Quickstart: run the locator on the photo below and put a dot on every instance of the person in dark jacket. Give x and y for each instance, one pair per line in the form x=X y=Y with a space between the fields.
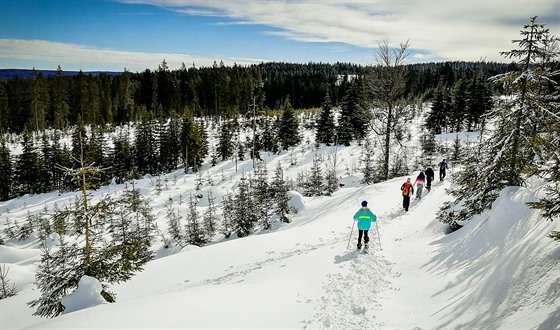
x=442 y=168
x=407 y=191
x=429 y=177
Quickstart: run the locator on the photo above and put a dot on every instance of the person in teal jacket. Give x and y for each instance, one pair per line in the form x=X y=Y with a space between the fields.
x=365 y=217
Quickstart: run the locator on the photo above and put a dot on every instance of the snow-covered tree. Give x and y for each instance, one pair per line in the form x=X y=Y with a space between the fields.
x=280 y=194
x=522 y=119
x=325 y=128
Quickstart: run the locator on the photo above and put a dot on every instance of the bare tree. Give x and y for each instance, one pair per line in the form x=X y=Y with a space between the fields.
x=387 y=86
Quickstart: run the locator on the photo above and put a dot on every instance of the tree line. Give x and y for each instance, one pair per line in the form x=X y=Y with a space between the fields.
x=59 y=101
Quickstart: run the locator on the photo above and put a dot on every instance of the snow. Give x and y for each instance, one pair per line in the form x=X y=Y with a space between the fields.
x=498 y=272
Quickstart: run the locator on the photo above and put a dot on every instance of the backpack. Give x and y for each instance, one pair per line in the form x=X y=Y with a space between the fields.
x=405 y=189
x=442 y=166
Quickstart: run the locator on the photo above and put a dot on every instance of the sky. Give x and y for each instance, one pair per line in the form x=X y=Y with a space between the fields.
x=499 y=271
x=113 y=35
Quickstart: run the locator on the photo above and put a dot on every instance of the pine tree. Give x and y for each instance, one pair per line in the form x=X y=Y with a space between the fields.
x=280 y=195
x=325 y=128
x=520 y=120
x=5 y=171
x=244 y=209
x=262 y=195
x=174 y=223
x=225 y=144
x=228 y=224
x=315 y=185
x=27 y=167
x=209 y=217
x=194 y=232
x=354 y=117
x=288 y=131
x=369 y=169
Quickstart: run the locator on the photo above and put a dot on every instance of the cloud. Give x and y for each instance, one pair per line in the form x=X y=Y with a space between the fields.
x=43 y=54
x=446 y=29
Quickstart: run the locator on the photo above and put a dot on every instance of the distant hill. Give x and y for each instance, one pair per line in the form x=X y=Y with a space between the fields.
x=6 y=74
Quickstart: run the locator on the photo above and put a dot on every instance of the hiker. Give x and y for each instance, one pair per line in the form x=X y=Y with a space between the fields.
x=365 y=217
x=442 y=167
x=419 y=182
x=407 y=191
x=429 y=178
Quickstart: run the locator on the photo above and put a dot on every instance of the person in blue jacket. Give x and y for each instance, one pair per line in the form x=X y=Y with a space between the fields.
x=365 y=217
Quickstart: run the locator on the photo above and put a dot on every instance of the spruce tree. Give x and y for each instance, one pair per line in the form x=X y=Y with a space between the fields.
x=288 y=131
x=315 y=185
x=325 y=128
x=262 y=195
x=194 y=231
x=244 y=209
x=280 y=195
x=209 y=217
x=515 y=147
x=5 y=171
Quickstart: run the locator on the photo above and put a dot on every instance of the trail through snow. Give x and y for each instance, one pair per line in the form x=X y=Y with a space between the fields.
x=369 y=285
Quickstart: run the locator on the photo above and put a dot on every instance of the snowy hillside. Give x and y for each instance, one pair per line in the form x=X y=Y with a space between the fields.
x=498 y=272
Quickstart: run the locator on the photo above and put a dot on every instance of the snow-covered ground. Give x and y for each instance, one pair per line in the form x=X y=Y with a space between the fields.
x=498 y=272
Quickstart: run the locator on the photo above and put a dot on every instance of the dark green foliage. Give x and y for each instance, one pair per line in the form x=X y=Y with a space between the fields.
x=27 y=168
x=127 y=221
x=354 y=116
x=194 y=231
x=525 y=139
x=262 y=195
x=325 y=128
x=244 y=209
x=288 y=130
x=5 y=171
x=280 y=195
x=225 y=147
x=315 y=185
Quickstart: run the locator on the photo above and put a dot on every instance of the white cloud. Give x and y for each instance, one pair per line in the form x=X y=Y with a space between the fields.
x=43 y=54
x=447 y=29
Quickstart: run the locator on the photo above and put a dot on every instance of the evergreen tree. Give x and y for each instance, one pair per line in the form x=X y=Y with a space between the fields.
x=262 y=195
x=325 y=128
x=5 y=171
x=280 y=195
x=437 y=120
x=194 y=232
x=479 y=102
x=331 y=176
x=174 y=223
x=369 y=169
x=122 y=156
x=225 y=145
x=288 y=131
x=520 y=120
x=354 y=117
x=229 y=217
x=315 y=185
x=193 y=145
x=27 y=167
x=209 y=217
x=244 y=209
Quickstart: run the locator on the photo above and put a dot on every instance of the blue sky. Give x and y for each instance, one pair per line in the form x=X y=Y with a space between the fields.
x=137 y=34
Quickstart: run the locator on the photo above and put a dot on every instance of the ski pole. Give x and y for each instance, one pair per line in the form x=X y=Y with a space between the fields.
x=351 y=231
x=378 y=238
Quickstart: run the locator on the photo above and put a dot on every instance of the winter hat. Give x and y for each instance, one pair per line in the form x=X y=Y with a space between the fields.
x=408 y=180
x=364 y=203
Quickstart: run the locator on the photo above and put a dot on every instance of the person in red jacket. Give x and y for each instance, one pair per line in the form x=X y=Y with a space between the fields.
x=407 y=191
